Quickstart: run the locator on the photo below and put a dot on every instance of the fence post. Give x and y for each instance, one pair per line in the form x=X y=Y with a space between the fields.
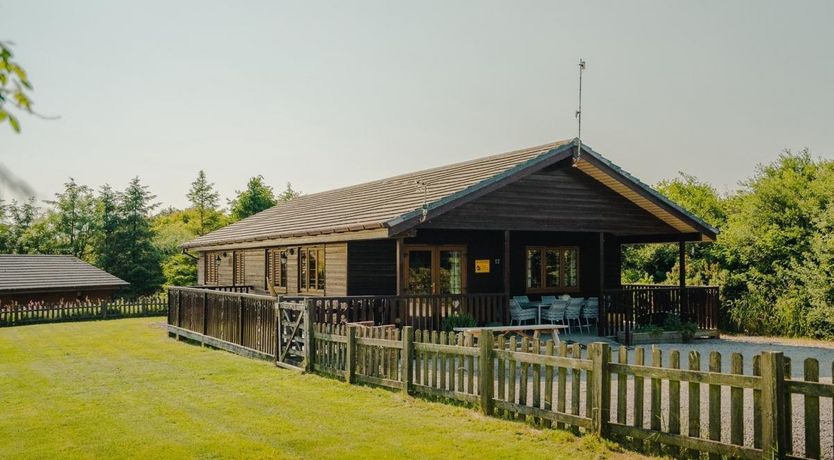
x=309 y=331
x=600 y=389
x=103 y=307
x=407 y=358
x=485 y=379
x=350 y=354
x=773 y=405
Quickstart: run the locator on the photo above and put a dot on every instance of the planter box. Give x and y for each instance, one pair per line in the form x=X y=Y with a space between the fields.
x=642 y=338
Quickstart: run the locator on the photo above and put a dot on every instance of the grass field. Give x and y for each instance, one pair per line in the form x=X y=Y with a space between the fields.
x=123 y=388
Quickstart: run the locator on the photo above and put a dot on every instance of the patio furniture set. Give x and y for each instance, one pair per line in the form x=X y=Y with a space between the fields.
x=565 y=310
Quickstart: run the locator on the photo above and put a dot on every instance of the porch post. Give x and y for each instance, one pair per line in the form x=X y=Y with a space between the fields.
x=683 y=304
x=506 y=264
x=602 y=317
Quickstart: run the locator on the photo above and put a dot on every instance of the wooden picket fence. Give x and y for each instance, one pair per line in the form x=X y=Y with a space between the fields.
x=632 y=396
x=36 y=313
x=615 y=393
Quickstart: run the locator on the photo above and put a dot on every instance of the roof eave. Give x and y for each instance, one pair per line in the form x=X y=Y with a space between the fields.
x=708 y=232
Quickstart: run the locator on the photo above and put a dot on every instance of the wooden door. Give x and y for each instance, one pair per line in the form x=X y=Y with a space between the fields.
x=434 y=269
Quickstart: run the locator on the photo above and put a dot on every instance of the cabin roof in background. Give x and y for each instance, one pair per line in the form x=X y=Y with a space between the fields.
x=396 y=203
x=35 y=272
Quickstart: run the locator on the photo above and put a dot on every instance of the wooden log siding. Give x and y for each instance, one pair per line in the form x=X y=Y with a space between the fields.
x=533 y=380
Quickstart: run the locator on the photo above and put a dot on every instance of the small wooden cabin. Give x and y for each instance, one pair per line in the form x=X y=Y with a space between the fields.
x=28 y=278
x=542 y=220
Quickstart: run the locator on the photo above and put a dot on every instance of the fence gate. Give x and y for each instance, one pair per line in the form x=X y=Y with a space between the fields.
x=294 y=325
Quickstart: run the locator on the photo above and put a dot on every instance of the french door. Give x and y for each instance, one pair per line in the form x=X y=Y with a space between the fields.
x=434 y=269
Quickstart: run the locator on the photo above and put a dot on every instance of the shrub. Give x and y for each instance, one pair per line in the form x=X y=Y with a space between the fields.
x=454 y=321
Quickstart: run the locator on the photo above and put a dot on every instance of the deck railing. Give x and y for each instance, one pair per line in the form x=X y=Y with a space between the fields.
x=634 y=304
x=419 y=311
x=227 y=288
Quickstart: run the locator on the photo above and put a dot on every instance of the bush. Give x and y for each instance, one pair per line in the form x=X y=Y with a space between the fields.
x=454 y=321
x=820 y=323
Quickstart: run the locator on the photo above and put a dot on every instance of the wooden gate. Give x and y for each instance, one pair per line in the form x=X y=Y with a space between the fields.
x=293 y=337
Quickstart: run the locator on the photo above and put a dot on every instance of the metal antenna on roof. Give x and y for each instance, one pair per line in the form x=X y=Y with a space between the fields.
x=579 y=115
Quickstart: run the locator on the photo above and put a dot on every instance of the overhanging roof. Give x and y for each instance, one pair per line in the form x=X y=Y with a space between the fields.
x=395 y=205
x=21 y=273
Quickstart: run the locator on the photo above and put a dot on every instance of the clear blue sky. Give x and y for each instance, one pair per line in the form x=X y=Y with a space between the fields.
x=330 y=94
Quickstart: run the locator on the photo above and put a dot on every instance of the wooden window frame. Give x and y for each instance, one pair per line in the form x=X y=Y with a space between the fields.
x=238 y=268
x=306 y=250
x=210 y=269
x=273 y=269
x=544 y=289
x=435 y=264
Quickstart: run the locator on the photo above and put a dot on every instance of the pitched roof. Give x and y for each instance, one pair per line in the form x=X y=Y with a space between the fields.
x=33 y=273
x=397 y=203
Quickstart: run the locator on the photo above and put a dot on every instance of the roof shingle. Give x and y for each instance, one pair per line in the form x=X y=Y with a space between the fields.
x=33 y=272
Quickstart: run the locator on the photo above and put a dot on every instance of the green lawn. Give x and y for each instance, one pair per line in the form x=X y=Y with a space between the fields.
x=123 y=388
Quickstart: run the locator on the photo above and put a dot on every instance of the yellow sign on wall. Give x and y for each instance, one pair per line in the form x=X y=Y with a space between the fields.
x=481 y=265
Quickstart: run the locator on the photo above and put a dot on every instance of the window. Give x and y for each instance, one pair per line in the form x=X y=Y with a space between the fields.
x=552 y=269
x=238 y=268
x=276 y=268
x=210 y=266
x=311 y=269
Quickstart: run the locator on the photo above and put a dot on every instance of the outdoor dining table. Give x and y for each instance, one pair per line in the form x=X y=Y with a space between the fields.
x=538 y=306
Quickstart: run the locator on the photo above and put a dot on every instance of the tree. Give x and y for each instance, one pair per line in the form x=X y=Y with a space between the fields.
x=256 y=198
x=136 y=259
x=14 y=85
x=75 y=219
x=22 y=217
x=288 y=194
x=107 y=223
x=204 y=199
x=658 y=263
x=180 y=270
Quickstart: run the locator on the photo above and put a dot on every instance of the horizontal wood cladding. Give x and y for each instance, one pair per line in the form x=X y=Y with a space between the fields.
x=254 y=271
x=371 y=267
x=201 y=268
x=555 y=199
x=335 y=266
x=225 y=269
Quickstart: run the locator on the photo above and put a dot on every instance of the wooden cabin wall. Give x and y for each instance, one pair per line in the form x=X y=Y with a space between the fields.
x=371 y=267
x=255 y=268
x=479 y=245
x=335 y=266
x=225 y=271
x=613 y=263
x=556 y=199
x=201 y=268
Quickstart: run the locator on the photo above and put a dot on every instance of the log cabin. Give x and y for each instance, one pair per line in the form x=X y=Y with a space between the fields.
x=537 y=221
